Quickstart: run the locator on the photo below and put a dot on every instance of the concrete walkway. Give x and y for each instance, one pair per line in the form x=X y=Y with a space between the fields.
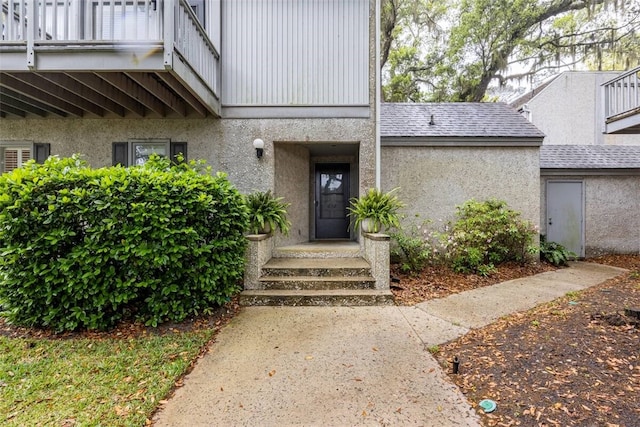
x=348 y=366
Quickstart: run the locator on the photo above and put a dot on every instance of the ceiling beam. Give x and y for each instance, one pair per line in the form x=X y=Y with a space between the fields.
x=21 y=87
x=159 y=91
x=28 y=104
x=128 y=86
x=15 y=111
x=177 y=87
x=94 y=82
x=62 y=93
x=85 y=92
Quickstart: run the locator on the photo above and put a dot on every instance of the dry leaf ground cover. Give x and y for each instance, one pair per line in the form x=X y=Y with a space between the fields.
x=572 y=362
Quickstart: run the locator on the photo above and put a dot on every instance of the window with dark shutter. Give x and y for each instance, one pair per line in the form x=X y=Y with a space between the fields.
x=176 y=149
x=120 y=153
x=41 y=151
x=138 y=151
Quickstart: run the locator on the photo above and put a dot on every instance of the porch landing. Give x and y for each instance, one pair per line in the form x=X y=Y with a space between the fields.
x=320 y=249
x=324 y=273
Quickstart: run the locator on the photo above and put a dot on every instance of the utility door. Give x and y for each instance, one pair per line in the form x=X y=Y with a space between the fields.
x=565 y=214
x=332 y=200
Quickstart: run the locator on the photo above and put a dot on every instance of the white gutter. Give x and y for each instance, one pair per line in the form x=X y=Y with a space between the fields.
x=378 y=93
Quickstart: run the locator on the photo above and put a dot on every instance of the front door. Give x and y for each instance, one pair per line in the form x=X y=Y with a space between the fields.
x=565 y=215
x=332 y=200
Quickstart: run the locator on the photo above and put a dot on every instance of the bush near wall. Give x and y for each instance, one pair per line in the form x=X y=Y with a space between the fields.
x=86 y=248
x=486 y=234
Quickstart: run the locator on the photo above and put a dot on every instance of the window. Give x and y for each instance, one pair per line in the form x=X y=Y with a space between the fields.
x=136 y=152
x=14 y=154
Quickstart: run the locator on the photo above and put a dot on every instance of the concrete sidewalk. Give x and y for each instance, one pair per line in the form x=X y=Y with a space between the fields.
x=345 y=366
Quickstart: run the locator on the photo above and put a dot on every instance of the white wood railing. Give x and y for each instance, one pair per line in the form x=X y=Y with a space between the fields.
x=59 y=23
x=622 y=94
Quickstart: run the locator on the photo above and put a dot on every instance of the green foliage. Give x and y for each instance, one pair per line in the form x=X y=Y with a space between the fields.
x=453 y=50
x=415 y=246
x=267 y=213
x=381 y=208
x=554 y=253
x=85 y=248
x=486 y=234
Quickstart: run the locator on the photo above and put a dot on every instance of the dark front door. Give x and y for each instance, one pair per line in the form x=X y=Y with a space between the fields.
x=332 y=199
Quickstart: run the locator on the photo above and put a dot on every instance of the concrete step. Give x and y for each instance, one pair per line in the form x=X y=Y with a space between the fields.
x=316 y=267
x=318 y=282
x=324 y=249
x=333 y=297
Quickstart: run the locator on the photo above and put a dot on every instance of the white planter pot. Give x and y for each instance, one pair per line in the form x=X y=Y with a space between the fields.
x=369 y=225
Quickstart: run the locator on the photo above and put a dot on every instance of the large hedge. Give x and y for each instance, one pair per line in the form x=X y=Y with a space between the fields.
x=86 y=248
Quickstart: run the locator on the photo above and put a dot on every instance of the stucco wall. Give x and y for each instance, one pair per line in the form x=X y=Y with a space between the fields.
x=225 y=143
x=434 y=180
x=292 y=160
x=569 y=110
x=612 y=213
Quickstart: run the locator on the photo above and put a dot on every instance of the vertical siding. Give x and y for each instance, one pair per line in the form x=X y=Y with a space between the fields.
x=295 y=52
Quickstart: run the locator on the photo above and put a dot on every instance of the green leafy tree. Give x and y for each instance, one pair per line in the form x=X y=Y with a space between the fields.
x=480 y=42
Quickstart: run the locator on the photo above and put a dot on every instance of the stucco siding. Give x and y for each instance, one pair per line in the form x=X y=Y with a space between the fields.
x=434 y=180
x=292 y=160
x=569 y=110
x=225 y=144
x=612 y=207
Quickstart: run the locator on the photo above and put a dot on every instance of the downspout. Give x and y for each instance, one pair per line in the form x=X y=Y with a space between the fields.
x=378 y=93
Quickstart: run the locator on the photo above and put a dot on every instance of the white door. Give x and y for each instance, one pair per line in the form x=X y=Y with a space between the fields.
x=565 y=214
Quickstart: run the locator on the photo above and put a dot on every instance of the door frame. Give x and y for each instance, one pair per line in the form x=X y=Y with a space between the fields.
x=582 y=207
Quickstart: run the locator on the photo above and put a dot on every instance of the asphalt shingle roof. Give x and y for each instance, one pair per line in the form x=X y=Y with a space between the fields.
x=589 y=157
x=459 y=119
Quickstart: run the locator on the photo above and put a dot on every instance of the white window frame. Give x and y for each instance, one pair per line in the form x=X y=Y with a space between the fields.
x=150 y=143
x=14 y=145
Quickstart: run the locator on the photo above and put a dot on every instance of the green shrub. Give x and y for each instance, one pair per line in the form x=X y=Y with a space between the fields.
x=554 y=253
x=486 y=234
x=414 y=246
x=85 y=248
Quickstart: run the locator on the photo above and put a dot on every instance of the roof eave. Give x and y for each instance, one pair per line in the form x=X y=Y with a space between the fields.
x=458 y=141
x=589 y=171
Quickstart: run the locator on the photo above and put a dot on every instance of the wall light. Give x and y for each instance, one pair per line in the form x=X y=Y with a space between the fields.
x=258 y=144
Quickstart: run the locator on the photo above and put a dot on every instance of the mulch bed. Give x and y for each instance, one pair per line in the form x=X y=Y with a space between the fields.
x=439 y=281
x=572 y=362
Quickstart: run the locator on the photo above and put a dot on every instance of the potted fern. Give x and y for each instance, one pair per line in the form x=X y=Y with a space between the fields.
x=375 y=210
x=267 y=213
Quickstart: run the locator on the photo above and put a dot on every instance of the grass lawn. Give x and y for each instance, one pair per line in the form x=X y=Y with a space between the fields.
x=107 y=381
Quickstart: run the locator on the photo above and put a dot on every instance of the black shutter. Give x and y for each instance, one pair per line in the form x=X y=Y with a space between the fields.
x=41 y=151
x=176 y=148
x=120 y=153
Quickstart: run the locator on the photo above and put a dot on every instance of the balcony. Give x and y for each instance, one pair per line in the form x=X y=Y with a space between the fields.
x=622 y=103
x=106 y=58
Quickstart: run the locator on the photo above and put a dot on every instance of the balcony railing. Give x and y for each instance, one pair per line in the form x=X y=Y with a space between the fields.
x=125 y=36
x=622 y=102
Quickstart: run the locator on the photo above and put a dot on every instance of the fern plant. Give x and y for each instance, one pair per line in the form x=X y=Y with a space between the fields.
x=382 y=209
x=555 y=253
x=267 y=213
